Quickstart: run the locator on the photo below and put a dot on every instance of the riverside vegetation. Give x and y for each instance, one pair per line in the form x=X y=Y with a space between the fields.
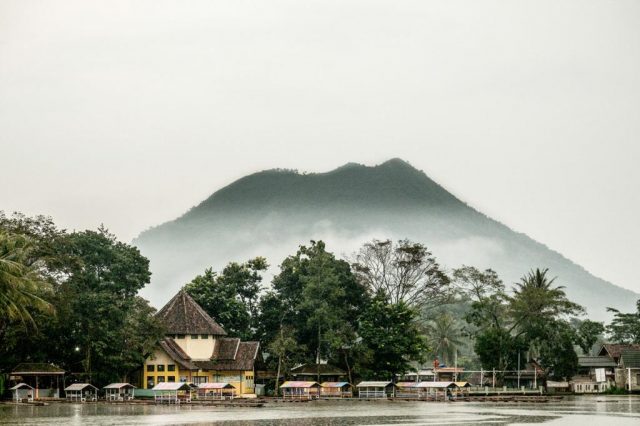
x=71 y=298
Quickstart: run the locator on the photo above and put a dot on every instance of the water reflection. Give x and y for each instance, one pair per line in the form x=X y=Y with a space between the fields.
x=600 y=410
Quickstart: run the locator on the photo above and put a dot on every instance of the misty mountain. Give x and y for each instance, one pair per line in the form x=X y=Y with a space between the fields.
x=271 y=212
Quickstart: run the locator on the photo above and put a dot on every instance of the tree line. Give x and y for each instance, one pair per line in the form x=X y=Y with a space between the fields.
x=71 y=298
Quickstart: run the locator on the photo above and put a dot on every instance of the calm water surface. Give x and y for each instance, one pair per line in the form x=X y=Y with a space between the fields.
x=586 y=410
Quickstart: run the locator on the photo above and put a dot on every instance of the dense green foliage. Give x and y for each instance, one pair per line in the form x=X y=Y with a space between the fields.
x=317 y=297
x=391 y=338
x=533 y=319
x=232 y=297
x=71 y=298
x=21 y=286
x=446 y=337
x=625 y=327
x=587 y=334
x=97 y=327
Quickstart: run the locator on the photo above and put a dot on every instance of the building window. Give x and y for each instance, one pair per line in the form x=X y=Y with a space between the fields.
x=171 y=367
x=194 y=336
x=160 y=368
x=150 y=382
x=204 y=336
x=171 y=379
x=160 y=379
x=151 y=368
x=179 y=336
x=229 y=379
x=199 y=380
x=183 y=379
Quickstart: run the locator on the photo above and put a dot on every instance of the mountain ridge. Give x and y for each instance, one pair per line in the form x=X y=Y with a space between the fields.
x=277 y=209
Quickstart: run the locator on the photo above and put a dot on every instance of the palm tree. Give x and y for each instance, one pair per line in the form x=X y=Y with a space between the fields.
x=445 y=336
x=535 y=297
x=20 y=281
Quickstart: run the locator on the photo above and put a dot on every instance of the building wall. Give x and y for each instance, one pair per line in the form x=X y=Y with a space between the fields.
x=160 y=363
x=622 y=377
x=197 y=346
x=243 y=381
x=590 y=387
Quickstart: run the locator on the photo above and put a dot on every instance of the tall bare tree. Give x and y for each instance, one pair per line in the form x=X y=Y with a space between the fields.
x=405 y=271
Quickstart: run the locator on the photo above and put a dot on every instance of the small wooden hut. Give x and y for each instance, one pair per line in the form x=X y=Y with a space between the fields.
x=171 y=393
x=81 y=392
x=463 y=389
x=318 y=372
x=407 y=390
x=216 y=391
x=119 y=392
x=372 y=389
x=44 y=378
x=436 y=390
x=21 y=392
x=300 y=390
x=336 y=390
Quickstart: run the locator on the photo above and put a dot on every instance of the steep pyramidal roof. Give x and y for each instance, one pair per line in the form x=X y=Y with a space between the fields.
x=183 y=315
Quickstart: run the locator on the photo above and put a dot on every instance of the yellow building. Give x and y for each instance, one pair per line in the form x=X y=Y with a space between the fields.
x=195 y=350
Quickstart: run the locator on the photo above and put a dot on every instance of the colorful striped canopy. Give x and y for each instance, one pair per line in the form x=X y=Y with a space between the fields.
x=299 y=384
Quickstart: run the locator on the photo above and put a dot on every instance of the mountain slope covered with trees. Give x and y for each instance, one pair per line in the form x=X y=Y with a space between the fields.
x=271 y=212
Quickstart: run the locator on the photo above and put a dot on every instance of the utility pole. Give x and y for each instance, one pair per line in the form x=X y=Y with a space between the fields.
x=518 y=369
x=455 y=367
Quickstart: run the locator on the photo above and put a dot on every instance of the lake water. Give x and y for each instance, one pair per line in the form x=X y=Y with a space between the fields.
x=582 y=410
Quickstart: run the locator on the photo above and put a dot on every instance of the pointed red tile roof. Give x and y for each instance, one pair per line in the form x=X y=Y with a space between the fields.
x=183 y=315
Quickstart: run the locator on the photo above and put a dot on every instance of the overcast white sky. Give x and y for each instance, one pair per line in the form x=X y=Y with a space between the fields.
x=130 y=112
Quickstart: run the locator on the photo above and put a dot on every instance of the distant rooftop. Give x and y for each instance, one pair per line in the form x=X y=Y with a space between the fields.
x=33 y=368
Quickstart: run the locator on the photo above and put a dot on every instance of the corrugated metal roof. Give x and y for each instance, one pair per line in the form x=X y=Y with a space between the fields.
x=552 y=384
x=216 y=386
x=79 y=386
x=334 y=384
x=615 y=350
x=596 y=361
x=630 y=358
x=373 y=384
x=118 y=386
x=171 y=386
x=299 y=384
x=420 y=373
x=20 y=386
x=406 y=384
x=450 y=369
x=438 y=385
